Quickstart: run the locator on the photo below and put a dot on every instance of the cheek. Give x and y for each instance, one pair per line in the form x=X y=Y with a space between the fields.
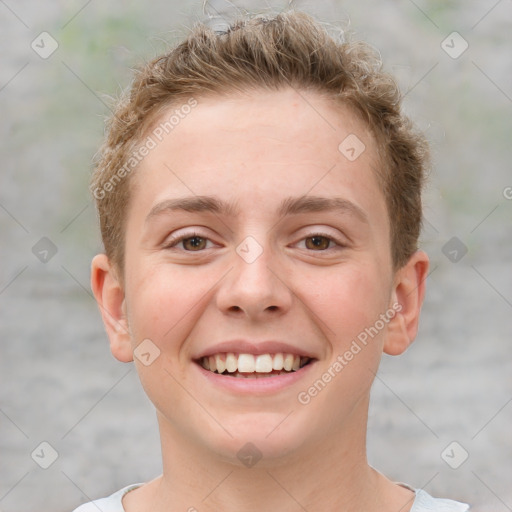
x=350 y=300
x=349 y=304
x=161 y=309
x=164 y=301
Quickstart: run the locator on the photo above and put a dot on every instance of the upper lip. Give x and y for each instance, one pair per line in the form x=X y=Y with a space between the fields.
x=254 y=347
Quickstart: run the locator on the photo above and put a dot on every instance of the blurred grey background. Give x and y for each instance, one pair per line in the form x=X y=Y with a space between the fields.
x=441 y=414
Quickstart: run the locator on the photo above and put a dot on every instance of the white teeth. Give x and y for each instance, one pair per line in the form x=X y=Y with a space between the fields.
x=263 y=363
x=231 y=362
x=248 y=365
x=288 y=362
x=277 y=363
x=220 y=361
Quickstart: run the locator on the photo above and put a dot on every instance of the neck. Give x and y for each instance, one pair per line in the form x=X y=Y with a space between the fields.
x=329 y=473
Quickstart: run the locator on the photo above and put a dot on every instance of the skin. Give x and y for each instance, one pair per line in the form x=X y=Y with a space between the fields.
x=256 y=150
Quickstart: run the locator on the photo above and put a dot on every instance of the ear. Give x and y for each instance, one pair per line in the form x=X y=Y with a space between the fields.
x=407 y=299
x=109 y=295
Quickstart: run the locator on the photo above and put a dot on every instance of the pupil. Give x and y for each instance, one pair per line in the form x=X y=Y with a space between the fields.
x=317 y=241
x=195 y=241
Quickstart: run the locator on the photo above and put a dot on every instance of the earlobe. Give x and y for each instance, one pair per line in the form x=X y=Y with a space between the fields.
x=109 y=295
x=408 y=294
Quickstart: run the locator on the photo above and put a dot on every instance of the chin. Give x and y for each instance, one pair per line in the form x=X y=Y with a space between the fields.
x=259 y=440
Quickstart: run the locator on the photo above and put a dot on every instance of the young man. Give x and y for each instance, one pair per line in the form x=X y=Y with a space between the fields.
x=259 y=195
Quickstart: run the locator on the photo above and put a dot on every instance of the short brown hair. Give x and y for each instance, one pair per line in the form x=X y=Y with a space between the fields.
x=289 y=49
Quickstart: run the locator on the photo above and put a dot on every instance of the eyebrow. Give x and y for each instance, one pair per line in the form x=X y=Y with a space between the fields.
x=289 y=206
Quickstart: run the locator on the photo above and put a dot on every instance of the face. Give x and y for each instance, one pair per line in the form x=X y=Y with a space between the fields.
x=254 y=240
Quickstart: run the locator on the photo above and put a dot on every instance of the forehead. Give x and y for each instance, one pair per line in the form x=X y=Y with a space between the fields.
x=308 y=115
x=257 y=147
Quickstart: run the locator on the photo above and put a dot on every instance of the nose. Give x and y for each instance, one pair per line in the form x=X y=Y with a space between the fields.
x=256 y=287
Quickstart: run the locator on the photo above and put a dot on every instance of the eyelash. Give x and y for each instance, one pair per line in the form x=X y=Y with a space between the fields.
x=175 y=241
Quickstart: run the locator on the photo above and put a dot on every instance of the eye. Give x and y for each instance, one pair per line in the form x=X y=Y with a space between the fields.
x=194 y=241
x=320 y=242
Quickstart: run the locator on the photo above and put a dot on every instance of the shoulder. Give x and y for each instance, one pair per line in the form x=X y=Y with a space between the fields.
x=112 y=503
x=423 y=502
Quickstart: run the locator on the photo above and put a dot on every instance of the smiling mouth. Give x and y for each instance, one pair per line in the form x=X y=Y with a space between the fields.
x=251 y=366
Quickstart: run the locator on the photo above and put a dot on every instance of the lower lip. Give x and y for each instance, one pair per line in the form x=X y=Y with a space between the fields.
x=261 y=385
